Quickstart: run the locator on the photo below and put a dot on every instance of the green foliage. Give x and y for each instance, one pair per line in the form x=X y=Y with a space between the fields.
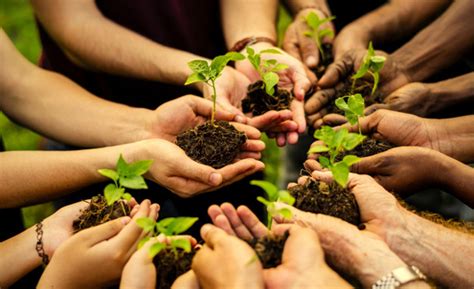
x=372 y=65
x=125 y=176
x=169 y=227
x=273 y=195
x=317 y=34
x=266 y=68
x=353 y=108
x=336 y=142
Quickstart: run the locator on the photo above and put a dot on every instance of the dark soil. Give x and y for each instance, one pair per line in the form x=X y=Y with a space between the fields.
x=329 y=199
x=99 y=212
x=368 y=147
x=170 y=266
x=258 y=101
x=361 y=86
x=324 y=63
x=215 y=146
x=269 y=249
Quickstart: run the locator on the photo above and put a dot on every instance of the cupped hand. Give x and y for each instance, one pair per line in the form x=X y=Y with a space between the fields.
x=95 y=257
x=173 y=169
x=226 y=262
x=300 y=46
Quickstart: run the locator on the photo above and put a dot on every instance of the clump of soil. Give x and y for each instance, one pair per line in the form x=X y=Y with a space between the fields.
x=269 y=249
x=361 y=86
x=368 y=147
x=324 y=62
x=170 y=265
x=329 y=199
x=99 y=212
x=214 y=145
x=258 y=101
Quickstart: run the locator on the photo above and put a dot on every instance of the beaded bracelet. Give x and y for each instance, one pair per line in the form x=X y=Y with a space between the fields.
x=39 y=244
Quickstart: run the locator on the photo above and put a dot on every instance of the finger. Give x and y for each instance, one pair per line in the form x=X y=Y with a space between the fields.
x=134 y=210
x=336 y=72
x=253 y=146
x=224 y=105
x=297 y=107
x=319 y=100
x=374 y=107
x=290 y=41
x=367 y=165
x=248 y=155
x=281 y=139
x=312 y=165
x=131 y=234
x=270 y=119
x=302 y=242
x=324 y=176
x=292 y=137
x=286 y=126
x=251 y=221
x=302 y=180
x=97 y=234
x=301 y=83
x=213 y=236
x=308 y=49
x=334 y=119
x=238 y=227
x=240 y=169
x=188 y=280
x=250 y=132
x=203 y=107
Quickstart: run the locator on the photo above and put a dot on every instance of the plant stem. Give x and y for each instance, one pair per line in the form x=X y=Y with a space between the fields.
x=214 y=98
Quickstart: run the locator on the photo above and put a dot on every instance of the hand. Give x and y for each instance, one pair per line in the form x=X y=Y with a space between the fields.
x=226 y=262
x=95 y=257
x=186 y=281
x=173 y=169
x=300 y=46
x=415 y=98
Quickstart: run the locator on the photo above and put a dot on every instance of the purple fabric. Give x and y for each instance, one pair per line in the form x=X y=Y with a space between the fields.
x=188 y=25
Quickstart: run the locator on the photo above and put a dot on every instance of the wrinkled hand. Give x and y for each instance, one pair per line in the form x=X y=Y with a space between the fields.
x=173 y=169
x=300 y=46
x=226 y=262
x=95 y=257
x=415 y=98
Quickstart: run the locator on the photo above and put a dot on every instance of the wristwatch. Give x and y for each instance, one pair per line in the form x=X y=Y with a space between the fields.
x=398 y=277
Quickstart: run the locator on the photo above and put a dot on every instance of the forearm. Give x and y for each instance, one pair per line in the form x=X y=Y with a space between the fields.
x=116 y=50
x=38 y=176
x=454 y=137
x=298 y=5
x=18 y=257
x=440 y=44
x=244 y=18
x=452 y=91
x=437 y=251
x=458 y=179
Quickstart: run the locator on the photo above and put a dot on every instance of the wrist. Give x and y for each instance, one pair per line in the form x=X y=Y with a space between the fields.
x=297 y=7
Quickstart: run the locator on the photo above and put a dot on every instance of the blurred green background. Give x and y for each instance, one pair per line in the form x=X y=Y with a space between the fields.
x=17 y=19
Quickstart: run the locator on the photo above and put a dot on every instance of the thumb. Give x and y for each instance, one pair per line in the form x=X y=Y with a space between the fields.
x=301 y=83
x=97 y=234
x=374 y=107
x=366 y=166
x=199 y=172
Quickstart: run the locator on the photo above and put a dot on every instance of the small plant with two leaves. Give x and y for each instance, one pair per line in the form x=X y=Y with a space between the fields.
x=208 y=73
x=316 y=33
x=372 y=65
x=335 y=143
x=353 y=108
x=125 y=176
x=266 y=68
x=273 y=195
x=169 y=227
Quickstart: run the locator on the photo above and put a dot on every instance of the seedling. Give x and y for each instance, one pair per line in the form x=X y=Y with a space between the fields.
x=126 y=175
x=353 y=108
x=209 y=73
x=266 y=68
x=372 y=65
x=170 y=227
x=336 y=142
x=317 y=34
x=273 y=195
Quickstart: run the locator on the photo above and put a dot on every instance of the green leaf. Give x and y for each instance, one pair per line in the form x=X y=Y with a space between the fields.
x=111 y=174
x=279 y=67
x=112 y=193
x=326 y=33
x=199 y=66
x=182 y=243
x=263 y=201
x=156 y=248
x=133 y=182
x=339 y=138
x=351 y=117
x=376 y=82
x=147 y=224
x=324 y=161
x=341 y=104
x=271 y=61
x=326 y=134
x=250 y=51
x=340 y=173
x=217 y=65
x=308 y=33
x=127 y=197
x=234 y=56
x=350 y=160
x=195 y=77
x=139 y=168
x=122 y=166
x=356 y=104
x=317 y=149
x=285 y=213
x=270 y=189
x=270 y=79
x=175 y=226
x=285 y=197
x=313 y=21
x=352 y=140
x=370 y=51
x=162 y=225
x=143 y=241
x=270 y=51
x=362 y=71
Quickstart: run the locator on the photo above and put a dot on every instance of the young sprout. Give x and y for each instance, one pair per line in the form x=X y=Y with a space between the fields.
x=353 y=108
x=125 y=176
x=274 y=195
x=336 y=142
x=170 y=227
x=317 y=34
x=209 y=73
x=266 y=68
x=372 y=65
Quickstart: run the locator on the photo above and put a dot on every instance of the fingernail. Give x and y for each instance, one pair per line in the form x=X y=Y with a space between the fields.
x=215 y=179
x=239 y=118
x=125 y=220
x=311 y=61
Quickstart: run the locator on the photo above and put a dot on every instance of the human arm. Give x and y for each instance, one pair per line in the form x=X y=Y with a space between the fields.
x=424 y=99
